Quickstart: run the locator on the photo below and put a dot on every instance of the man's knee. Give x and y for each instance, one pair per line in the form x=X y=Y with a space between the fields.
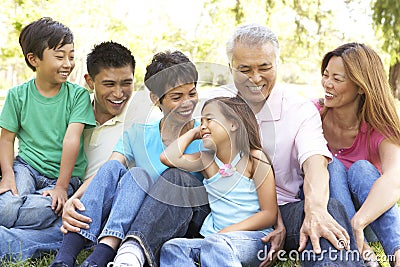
x=140 y=176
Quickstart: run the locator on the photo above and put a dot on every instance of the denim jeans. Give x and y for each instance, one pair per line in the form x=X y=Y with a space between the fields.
x=293 y=216
x=176 y=206
x=30 y=210
x=234 y=249
x=352 y=187
x=21 y=244
x=113 y=199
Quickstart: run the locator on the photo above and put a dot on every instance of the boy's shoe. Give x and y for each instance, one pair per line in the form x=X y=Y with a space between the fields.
x=88 y=264
x=112 y=264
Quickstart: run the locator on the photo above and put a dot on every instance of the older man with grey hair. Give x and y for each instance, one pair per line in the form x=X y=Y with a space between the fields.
x=316 y=226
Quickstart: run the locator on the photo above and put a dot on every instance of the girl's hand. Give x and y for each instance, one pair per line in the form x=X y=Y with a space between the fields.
x=196 y=132
x=59 y=197
x=277 y=239
x=226 y=230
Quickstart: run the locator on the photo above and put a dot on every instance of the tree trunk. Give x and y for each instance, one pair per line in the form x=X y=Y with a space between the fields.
x=394 y=79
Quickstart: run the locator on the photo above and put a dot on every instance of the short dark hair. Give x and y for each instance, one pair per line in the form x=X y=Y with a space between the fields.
x=41 y=34
x=173 y=69
x=109 y=55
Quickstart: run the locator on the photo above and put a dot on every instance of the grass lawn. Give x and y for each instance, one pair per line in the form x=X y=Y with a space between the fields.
x=46 y=260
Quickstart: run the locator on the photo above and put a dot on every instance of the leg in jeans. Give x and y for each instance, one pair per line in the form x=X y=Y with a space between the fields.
x=36 y=212
x=362 y=175
x=30 y=210
x=339 y=187
x=21 y=244
x=240 y=248
x=9 y=204
x=112 y=200
x=176 y=206
x=181 y=252
x=293 y=216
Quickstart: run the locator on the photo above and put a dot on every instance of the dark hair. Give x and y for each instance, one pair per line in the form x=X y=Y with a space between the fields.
x=173 y=69
x=41 y=34
x=109 y=55
x=236 y=109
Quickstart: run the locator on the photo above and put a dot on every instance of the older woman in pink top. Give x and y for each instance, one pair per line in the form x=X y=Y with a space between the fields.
x=362 y=128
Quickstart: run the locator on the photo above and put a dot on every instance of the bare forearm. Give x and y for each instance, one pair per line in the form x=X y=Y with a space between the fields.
x=258 y=221
x=279 y=221
x=68 y=160
x=7 y=154
x=7 y=158
x=81 y=190
x=383 y=195
x=316 y=183
x=385 y=192
x=174 y=152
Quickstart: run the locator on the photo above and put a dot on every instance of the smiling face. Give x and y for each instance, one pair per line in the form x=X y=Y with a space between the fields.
x=215 y=128
x=254 y=72
x=339 y=89
x=178 y=103
x=55 y=66
x=112 y=90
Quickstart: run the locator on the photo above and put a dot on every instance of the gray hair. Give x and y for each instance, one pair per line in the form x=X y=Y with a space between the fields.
x=251 y=34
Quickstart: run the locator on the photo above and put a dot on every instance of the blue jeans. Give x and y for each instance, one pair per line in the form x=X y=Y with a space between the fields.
x=21 y=244
x=30 y=210
x=293 y=216
x=234 y=249
x=176 y=206
x=113 y=199
x=355 y=185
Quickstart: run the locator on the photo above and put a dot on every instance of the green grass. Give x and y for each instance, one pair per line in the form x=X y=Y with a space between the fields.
x=43 y=261
x=47 y=259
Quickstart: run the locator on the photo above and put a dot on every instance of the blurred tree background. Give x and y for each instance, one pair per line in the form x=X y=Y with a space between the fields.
x=307 y=29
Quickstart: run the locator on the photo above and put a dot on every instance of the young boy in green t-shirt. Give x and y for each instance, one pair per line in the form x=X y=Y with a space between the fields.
x=47 y=114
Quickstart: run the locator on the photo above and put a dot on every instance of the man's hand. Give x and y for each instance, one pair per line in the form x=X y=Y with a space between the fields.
x=72 y=221
x=322 y=224
x=59 y=197
x=277 y=240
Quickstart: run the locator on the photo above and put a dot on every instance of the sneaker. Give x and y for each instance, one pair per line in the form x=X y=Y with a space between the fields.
x=112 y=264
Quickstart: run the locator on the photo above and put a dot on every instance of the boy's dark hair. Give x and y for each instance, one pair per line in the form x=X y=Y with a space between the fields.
x=41 y=34
x=173 y=69
x=109 y=55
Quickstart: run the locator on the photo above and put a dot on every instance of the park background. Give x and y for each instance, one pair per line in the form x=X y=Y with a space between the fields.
x=306 y=29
